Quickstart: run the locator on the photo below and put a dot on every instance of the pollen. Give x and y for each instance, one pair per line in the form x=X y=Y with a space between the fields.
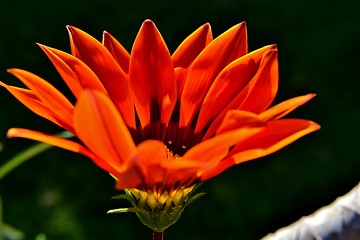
x=170 y=155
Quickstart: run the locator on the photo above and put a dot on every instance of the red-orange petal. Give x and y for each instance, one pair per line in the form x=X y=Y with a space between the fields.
x=237 y=126
x=56 y=102
x=180 y=76
x=98 y=58
x=49 y=139
x=276 y=135
x=227 y=47
x=285 y=107
x=100 y=127
x=263 y=87
x=235 y=119
x=228 y=84
x=32 y=102
x=76 y=74
x=148 y=158
x=132 y=178
x=151 y=166
x=190 y=48
x=118 y=52
x=152 y=77
x=58 y=142
x=260 y=82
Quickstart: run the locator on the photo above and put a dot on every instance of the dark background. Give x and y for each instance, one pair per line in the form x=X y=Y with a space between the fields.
x=65 y=196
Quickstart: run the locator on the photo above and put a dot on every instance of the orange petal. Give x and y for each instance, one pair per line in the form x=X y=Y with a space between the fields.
x=100 y=127
x=275 y=136
x=55 y=102
x=180 y=76
x=32 y=102
x=58 y=142
x=152 y=76
x=237 y=118
x=228 y=84
x=131 y=178
x=113 y=78
x=151 y=167
x=190 y=48
x=75 y=73
x=216 y=148
x=285 y=107
x=263 y=87
x=252 y=93
x=118 y=52
x=237 y=126
x=49 y=139
x=215 y=57
x=148 y=157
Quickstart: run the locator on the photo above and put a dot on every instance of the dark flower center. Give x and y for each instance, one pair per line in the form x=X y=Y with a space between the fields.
x=177 y=139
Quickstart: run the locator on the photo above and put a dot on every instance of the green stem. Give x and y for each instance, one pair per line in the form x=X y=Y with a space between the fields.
x=25 y=155
x=158 y=235
x=1 y=222
x=22 y=157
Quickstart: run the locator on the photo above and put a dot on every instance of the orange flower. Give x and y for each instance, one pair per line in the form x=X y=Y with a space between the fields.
x=162 y=123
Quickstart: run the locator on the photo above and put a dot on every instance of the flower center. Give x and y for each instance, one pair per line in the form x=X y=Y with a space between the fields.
x=177 y=139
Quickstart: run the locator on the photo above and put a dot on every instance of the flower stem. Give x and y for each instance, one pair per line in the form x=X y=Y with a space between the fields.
x=158 y=235
x=2 y=236
x=26 y=154
x=22 y=157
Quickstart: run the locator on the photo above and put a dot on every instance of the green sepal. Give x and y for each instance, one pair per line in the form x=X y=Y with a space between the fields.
x=159 y=220
x=125 y=210
x=195 y=197
x=156 y=215
x=123 y=196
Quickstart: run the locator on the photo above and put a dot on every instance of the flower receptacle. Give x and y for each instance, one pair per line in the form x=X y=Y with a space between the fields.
x=157 y=210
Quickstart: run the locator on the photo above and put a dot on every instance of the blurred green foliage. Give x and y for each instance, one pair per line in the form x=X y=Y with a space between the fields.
x=65 y=196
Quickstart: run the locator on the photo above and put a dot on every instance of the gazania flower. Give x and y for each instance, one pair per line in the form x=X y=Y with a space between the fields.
x=161 y=123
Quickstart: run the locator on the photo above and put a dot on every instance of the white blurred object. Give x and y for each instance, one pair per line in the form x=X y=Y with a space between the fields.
x=338 y=221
